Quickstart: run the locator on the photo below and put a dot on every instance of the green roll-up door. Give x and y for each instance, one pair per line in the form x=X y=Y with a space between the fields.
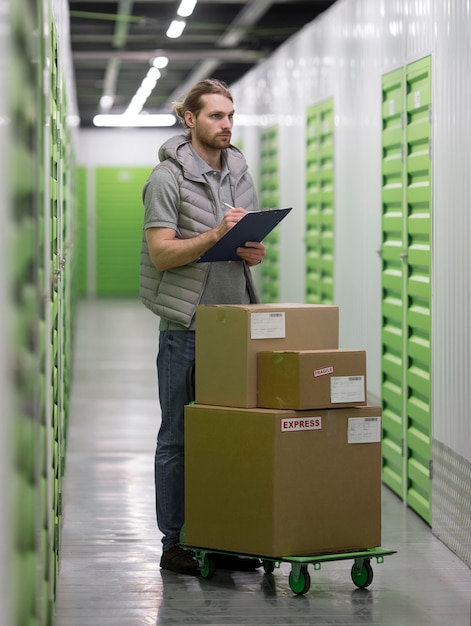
x=269 y=199
x=320 y=203
x=42 y=255
x=82 y=282
x=24 y=308
x=393 y=285
x=419 y=266
x=120 y=215
x=57 y=245
x=406 y=284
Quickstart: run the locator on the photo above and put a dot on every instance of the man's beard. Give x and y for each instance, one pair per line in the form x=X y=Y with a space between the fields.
x=215 y=142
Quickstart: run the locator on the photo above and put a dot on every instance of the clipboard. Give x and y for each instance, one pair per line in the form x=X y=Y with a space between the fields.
x=252 y=227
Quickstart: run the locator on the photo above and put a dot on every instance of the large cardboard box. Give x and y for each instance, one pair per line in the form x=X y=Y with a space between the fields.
x=311 y=379
x=282 y=483
x=228 y=339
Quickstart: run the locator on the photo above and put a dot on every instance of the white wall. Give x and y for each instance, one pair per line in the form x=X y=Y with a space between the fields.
x=452 y=225
x=121 y=147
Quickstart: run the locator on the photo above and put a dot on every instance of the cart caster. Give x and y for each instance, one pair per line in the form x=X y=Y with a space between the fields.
x=207 y=566
x=362 y=573
x=300 y=584
x=268 y=566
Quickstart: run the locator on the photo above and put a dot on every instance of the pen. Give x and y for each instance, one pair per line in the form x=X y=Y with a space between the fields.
x=229 y=206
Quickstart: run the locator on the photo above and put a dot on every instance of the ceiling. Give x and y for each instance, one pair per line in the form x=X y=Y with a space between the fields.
x=113 y=45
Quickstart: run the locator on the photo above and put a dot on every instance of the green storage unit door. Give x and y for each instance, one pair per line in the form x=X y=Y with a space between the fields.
x=43 y=254
x=320 y=203
x=41 y=329
x=82 y=282
x=23 y=272
x=269 y=199
x=120 y=215
x=406 y=284
x=393 y=276
x=313 y=234
x=419 y=266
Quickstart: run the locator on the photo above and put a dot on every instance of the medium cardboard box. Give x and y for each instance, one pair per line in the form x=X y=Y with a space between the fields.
x=228 y=339
x=311 y=379
x=282 y=483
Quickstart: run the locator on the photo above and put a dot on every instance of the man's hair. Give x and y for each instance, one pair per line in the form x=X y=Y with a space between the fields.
x=193 y=102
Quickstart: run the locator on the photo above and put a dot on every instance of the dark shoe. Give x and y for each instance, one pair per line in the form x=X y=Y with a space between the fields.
x=236 y=563
x=179 y=560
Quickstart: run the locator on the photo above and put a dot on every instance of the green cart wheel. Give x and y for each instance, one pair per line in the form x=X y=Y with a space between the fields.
x=302 y=584
x=268 y=566
x=208 y=566
x=362 y=575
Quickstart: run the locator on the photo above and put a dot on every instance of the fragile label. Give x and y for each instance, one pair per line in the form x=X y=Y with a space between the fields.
x=268 y=325
x=347 y=389
x=364 y=429
x=294 y=424
x=323 y=371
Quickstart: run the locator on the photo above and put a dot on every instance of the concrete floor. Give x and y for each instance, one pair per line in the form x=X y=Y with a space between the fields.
x=110 y=573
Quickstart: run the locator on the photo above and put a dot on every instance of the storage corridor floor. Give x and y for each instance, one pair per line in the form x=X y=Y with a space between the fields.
x=110 y=573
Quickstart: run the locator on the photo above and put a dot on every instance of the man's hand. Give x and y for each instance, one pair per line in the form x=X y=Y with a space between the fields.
x=229 y=220
x=252 y=252
x=167 y=252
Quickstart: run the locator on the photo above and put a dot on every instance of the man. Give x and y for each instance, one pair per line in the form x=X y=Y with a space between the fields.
x=186 y=213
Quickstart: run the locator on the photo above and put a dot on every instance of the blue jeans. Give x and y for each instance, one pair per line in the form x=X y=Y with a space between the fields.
x=176 y=353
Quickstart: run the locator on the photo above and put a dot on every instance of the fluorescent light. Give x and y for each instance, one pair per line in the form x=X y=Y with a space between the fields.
x=160 y=62
x=176 y=28
x=134 y=121
x=154 y=73
x=147 y=85
x=186 y=8
x=134 y=108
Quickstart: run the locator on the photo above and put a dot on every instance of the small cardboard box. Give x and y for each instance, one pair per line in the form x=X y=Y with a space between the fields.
x=311 y=379
x=228 y=339
x=282 y=483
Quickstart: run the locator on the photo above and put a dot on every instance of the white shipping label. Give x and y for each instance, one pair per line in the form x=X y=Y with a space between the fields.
x=347 y=389
x=267 y=325
x=294 y=424
x=364 y=429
